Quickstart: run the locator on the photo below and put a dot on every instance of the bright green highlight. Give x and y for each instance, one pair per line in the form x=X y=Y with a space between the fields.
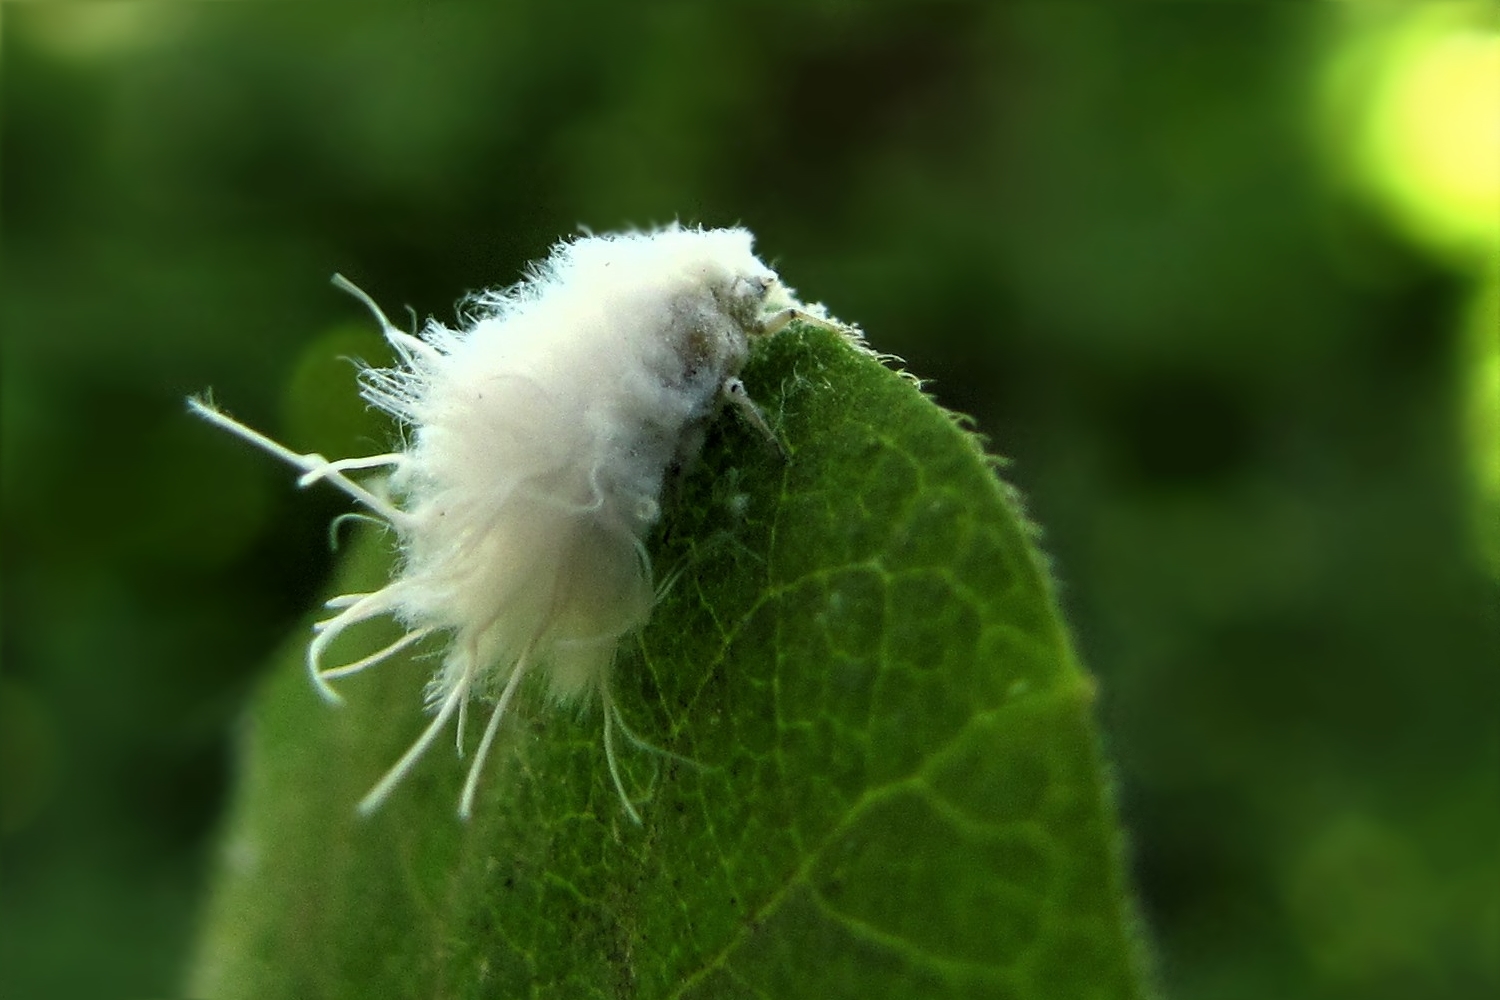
x=1424 y=94
x=1415 y=97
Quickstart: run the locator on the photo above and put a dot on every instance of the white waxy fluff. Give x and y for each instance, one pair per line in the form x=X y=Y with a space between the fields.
x=538 y=437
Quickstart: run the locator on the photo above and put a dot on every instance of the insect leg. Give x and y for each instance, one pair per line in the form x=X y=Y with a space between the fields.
x=734 y=391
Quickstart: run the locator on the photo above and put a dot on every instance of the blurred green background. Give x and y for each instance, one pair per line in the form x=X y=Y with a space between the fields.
x=1222 y=279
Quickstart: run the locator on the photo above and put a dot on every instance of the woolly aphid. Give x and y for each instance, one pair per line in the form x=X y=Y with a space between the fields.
x=536 y=441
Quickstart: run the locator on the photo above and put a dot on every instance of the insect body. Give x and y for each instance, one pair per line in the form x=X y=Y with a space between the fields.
x=538 y=437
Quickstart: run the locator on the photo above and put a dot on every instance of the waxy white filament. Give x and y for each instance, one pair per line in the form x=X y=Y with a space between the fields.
x=537 y=439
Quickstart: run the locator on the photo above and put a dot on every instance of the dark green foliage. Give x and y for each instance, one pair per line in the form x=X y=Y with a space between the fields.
x=1109 y=232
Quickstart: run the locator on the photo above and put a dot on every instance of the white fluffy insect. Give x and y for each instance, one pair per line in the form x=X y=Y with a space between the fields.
x=537 y=440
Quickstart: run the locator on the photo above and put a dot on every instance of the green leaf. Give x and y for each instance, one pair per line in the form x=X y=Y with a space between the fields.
x=898 y=792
